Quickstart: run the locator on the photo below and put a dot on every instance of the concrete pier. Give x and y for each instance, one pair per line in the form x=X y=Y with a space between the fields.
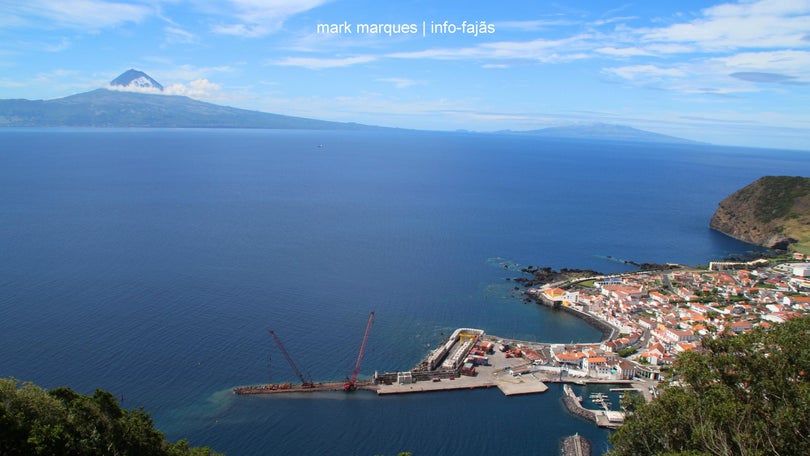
x=443 y=369
x=462 y=363
x=289 y=388
x=496 y=374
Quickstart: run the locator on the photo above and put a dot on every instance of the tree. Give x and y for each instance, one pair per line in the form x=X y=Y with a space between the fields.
x=743 y=395
x=62 y=422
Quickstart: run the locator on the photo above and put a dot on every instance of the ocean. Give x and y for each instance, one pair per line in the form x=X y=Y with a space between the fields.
x=152 y=263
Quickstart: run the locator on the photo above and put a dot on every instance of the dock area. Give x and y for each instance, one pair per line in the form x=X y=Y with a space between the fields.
x=470 y=359
x=290 y=388
x=603 y=418
x=495 y=374
x=465 y=361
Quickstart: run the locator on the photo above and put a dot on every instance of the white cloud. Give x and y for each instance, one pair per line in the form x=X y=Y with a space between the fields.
x=243 y=30
x=400 y=83
x=136 y=89
x=623 y=52
x=257 y=18
x=177 y=35
x=645 y=72
x=757 y=24
x=530 y=26
x=190 y=72
x=200 y=88
x=315 y=63
x=793 y=62
x=540 y=50
x=88 y=15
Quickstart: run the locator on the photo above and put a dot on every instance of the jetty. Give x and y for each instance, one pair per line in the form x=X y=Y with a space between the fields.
x=471 y=359
x=603 y=418
x=308 y=388
x=575 y=445
x=465 y=361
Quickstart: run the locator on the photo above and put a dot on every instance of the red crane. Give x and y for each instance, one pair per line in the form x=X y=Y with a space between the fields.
x=351 y=384
x=304 y=383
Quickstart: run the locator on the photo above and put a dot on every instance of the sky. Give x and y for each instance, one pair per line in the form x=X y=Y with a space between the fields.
x=724 y=72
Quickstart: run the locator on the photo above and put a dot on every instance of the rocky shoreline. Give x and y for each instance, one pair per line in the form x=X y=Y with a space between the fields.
x=546 y=275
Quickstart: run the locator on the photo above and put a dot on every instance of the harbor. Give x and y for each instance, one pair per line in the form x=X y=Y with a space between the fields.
x=464 y=361
x=606 y=418
x=468 y=359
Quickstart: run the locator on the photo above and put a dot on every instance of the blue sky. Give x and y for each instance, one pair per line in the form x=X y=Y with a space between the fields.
x=735 y=72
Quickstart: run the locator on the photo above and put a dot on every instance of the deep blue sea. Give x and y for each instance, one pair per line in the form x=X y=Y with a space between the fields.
x=151 y=263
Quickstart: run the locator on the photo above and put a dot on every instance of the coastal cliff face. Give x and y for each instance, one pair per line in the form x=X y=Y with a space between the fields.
x=772 y=212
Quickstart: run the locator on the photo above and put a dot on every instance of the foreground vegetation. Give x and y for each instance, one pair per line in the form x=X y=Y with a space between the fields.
x=62 y=422
x=743 y=395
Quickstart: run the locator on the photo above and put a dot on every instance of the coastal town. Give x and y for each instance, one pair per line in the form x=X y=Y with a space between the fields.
x=654 y=316
x=648 y=318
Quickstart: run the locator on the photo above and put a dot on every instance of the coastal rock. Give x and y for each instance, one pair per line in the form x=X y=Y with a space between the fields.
x=772 y=212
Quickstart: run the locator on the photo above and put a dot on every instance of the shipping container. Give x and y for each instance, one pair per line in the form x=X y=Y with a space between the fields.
x=479 y=360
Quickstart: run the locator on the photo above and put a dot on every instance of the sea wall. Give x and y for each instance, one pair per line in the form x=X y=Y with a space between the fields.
x=572 y=403
x=576 y=408
x=608 y=331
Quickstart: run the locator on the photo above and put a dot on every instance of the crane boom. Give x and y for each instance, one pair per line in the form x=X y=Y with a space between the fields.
x=350 y=385
x=289 y=360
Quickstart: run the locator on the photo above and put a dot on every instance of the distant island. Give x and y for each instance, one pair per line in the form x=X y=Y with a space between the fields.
x=772 y=212
x=603 y=131
x=116 y=107
x=135 y=99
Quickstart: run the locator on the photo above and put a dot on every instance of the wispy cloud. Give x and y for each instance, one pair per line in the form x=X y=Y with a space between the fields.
x=771 y=78
x=400 y=83
x=532 y=25
x=539 y=50
x=256 y=18
x=191 y=72
x=178 y=35
x=750 y=24
x=645 y=73
x=316 y=63
x=90 y=15
x=623 y=52
x=793 y=62
x=200 y=88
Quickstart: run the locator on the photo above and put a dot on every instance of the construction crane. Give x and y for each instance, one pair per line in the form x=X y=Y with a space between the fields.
x=351 y=384
x=304 y=382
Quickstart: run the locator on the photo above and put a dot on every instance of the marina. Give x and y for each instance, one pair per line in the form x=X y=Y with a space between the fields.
x=606 y=418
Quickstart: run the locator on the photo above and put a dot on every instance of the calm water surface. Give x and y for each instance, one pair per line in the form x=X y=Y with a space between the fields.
x=151 y=263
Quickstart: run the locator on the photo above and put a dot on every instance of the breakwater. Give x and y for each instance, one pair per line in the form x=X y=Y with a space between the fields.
x=575 y=445
x=574 y=405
